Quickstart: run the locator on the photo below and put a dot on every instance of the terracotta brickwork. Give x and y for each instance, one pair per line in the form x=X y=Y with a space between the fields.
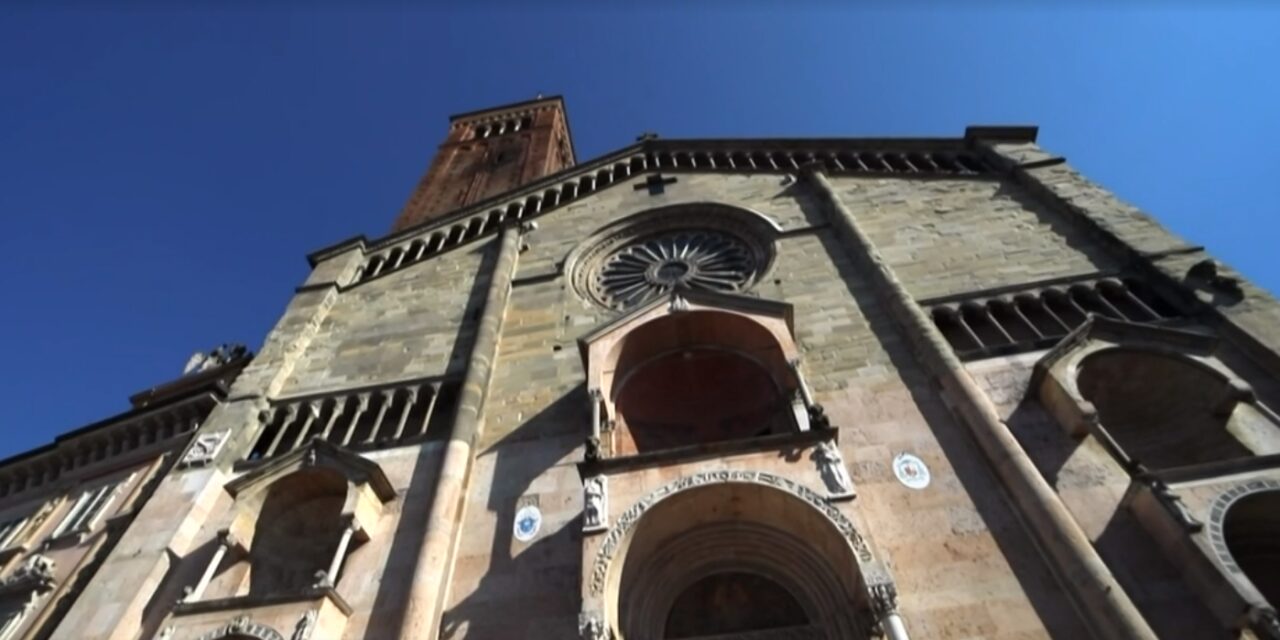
x=489 y=152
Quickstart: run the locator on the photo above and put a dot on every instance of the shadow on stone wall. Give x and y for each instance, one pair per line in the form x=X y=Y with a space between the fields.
x=533 y=591
x=961 y=451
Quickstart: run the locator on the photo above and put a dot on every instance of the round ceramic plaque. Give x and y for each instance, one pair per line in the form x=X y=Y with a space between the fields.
x=911 y=471
x=528 y=521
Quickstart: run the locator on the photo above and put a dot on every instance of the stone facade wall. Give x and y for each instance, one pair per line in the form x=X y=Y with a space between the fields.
x=941 y=542
x=411 y=323
x=1094 y=487
x=964 y=563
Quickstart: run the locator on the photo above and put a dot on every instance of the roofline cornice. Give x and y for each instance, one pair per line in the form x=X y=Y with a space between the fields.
x=652 y=145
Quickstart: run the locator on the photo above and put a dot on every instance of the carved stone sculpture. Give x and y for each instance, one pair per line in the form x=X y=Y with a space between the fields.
x=594 y=516
x=818 y=418
x=1264 y=622
x=32 y=578
x=37 y=572
x=592 y=449
x=204 y=449
x=591 y=627
x=302 y=631
x=1173 y=502
x=220 y=355
x=834 y=473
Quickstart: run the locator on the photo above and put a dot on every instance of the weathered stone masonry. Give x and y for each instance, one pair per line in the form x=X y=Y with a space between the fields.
x=925 y=451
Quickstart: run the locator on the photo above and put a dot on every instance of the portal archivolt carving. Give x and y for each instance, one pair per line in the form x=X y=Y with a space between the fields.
x=609 y=548
x=1218 y=514
x=243 y=627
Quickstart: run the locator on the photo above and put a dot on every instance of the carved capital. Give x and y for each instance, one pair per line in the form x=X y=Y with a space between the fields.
x=1173 y=503
x=592 y=627
x=592 y=453
x=1264 y=622
x=884 y=598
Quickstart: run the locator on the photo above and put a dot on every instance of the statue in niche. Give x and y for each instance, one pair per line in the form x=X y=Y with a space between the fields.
x=594 y=503
x=834 y=473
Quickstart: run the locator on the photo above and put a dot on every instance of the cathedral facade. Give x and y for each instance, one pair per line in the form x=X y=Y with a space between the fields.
x=832 y=389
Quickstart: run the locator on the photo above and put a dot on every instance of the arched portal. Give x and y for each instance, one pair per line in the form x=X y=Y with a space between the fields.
x=1252 y=532
x=751 y=556
x=1163 y=410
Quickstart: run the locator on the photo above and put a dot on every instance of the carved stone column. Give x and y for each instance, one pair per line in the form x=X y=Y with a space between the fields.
x=596 y=398
x=1089 y=582
x=884 y=603
x=329 y=577
x=425 y=597
x=225 y=542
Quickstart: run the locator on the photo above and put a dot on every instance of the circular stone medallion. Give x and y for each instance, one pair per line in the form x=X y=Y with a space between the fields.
x=911 y=471
x=528 y=522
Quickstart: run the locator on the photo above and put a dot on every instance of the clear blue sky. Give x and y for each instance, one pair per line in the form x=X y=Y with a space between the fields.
x=163 y=173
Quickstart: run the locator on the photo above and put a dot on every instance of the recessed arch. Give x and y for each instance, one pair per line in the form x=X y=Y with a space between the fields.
x=1155 y=398
x=732 y=601
x=1251 y=532
x=735 y=522
x=298 y=530
x=695 y=369
x=1164 y=410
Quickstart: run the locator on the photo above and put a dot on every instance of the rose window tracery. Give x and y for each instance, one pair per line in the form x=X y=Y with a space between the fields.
x=705 y=246
x=697 y=259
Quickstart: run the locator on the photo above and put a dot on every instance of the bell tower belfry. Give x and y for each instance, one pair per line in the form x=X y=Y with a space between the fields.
x=491 y=151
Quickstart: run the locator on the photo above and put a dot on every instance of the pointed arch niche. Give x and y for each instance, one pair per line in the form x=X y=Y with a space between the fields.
x=293 y=523
x=693 y=368
x=1156 y=398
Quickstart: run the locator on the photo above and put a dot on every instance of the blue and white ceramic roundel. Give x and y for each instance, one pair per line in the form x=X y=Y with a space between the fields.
x=528 y=522
x=911 y=471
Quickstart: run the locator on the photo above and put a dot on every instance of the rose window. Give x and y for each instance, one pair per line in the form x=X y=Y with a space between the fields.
x=685 y=259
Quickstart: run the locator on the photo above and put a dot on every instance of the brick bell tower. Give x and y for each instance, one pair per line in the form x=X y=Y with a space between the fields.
x=488 y=152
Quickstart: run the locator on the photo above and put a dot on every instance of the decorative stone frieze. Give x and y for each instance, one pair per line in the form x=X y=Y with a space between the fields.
x=243 y=627
x=609 y=548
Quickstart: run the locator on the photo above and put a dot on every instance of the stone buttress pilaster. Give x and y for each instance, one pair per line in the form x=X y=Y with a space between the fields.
x=425 y=600
x=1104 y=605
